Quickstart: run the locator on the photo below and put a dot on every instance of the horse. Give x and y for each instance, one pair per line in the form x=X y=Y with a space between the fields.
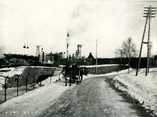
x=73 y=73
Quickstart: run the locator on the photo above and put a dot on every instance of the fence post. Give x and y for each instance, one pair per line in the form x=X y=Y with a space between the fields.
x=5 y=90
x=17 y=81
x=26 y=84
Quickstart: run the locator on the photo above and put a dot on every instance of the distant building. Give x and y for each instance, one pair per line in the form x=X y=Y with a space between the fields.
x=38 y=50
x=42 y=56
x=49 y=58
x=78 y=51
x=90 y=59
x=53 y=58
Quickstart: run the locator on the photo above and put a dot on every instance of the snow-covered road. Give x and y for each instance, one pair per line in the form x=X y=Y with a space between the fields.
x=93 y=98
x=33 y=103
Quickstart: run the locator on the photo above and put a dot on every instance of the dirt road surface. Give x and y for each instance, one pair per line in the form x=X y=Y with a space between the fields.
x=92 y=98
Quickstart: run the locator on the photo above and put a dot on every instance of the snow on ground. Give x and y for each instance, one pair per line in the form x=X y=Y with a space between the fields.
x=33 y=103
x=104 y=65
x=107 y=74
x=92 y=98
x=91 y=66
x=2 y=80
x=142 y=88
x=9 y=72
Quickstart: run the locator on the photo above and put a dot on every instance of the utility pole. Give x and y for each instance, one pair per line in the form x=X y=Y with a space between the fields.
x=149 y=12
x=17 y=84
x=27 y=82
x=42 y=56
x=121 y=56
x=96 y=57
x=25 y=47
x=38 y=52
x=5 y=89
x=67 y=45
x=26 y=85
x=129 y=55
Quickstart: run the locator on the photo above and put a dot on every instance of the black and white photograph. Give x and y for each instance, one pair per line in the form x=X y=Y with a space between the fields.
x=78 y=58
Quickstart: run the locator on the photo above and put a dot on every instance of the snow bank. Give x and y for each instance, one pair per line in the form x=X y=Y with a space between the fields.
x=34 y=103
x=105 y=69
x=142 y=88
x=104 y=65
x=107 y=74
x=31 y=72
x=10 y=72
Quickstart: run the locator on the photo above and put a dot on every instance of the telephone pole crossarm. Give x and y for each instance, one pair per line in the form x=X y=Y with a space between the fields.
x=149 y=12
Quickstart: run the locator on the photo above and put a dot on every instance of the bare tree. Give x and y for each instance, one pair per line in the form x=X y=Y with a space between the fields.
x=119 y=52
x=127 y=50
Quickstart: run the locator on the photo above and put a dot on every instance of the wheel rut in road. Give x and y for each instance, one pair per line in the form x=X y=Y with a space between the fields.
x=92 y=98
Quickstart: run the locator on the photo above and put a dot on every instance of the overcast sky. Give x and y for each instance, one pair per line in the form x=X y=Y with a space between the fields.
x=46 y=22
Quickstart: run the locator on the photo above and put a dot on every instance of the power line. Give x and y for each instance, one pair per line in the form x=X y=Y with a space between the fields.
x=67 y=45
x=149 y=13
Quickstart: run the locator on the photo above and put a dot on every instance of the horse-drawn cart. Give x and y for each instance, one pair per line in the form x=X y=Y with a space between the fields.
x=73 y=74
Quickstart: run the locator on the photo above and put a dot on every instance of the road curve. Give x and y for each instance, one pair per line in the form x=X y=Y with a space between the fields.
x=92 y=98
